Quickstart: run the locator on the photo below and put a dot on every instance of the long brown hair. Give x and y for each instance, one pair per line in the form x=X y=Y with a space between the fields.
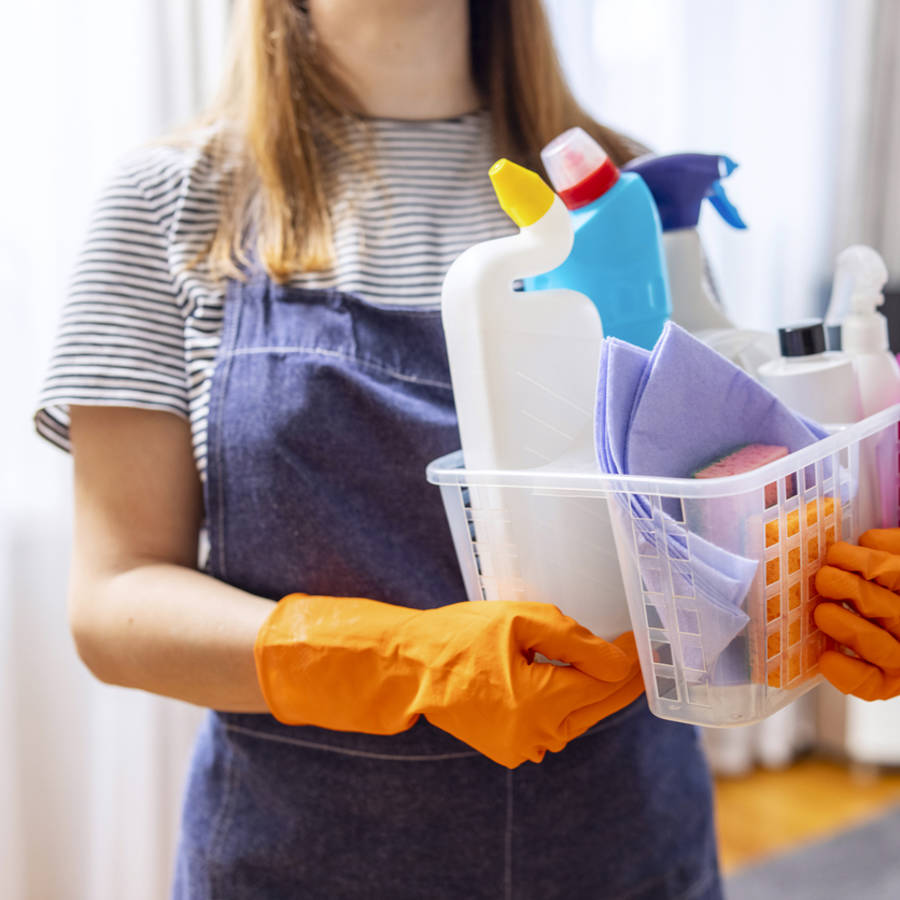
x=281 y=111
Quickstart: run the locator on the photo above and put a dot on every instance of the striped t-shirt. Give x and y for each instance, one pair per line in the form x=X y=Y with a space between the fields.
x=143 y=320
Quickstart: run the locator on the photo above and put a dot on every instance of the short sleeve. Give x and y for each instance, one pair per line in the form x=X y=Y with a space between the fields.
x=121 y=335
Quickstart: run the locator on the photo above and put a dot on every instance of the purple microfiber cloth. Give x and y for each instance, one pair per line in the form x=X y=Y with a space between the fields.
x=666 y=413
x=693 y=405
x=621 y=372
x=704 y=406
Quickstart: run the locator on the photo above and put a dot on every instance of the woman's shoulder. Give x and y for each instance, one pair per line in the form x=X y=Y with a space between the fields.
x=154 y=218
x=179 y=181
x=176 y=157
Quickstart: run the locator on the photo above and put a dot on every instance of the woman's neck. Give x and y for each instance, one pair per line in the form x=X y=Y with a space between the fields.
x=403 y=59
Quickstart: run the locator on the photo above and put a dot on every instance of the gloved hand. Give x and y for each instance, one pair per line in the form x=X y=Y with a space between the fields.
x=866 y=577
x=352 y=664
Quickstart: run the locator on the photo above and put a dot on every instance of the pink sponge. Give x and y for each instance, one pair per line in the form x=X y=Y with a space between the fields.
x=746 y=459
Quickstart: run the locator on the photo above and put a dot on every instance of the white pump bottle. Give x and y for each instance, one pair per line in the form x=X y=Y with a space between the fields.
x=858 y=291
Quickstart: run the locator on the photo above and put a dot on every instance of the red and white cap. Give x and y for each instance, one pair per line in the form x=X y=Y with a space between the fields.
x=578 y=168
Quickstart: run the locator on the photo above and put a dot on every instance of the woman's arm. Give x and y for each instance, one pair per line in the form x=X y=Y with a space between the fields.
x=140 y=613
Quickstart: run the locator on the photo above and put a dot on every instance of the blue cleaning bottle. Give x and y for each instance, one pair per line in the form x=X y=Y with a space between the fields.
x=617 y=258
x=679 y=184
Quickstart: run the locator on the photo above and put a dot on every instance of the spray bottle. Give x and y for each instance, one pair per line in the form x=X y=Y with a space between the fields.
x=858 y=290
x=679 y=184
x=617 y=257
x=859 y=279
x=524 y=371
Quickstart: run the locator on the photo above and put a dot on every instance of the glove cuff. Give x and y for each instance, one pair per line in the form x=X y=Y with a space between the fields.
x=321 y=661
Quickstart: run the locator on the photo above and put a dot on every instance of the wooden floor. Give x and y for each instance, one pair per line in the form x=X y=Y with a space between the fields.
x=768 y=813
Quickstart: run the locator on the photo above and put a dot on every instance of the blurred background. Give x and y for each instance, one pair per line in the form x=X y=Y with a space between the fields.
x=801 y=93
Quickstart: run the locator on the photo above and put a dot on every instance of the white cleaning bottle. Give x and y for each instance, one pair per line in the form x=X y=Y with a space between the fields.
x=523 y=364
x=859 y=280
x=811 y=380
x=524 y=370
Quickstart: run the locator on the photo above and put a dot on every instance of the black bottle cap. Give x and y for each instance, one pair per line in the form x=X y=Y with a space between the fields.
x=802 y=338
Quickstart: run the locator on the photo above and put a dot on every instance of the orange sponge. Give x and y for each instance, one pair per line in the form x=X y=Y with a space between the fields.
x=746 y=459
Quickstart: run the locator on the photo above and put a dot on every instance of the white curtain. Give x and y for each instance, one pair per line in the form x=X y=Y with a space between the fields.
x=869 y=207
x=90 y=775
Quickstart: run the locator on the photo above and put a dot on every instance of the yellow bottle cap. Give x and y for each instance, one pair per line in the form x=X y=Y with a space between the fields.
x=523 y=195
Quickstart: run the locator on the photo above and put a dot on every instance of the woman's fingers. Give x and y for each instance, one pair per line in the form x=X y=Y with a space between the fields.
x=567 y=701
x=559 y=692
x=564 y=688
x=868 y=640
x=579 y=721
x=562 y=638
x=873 y=565
x=857 y=677
x=871 y=600
x=887 y=539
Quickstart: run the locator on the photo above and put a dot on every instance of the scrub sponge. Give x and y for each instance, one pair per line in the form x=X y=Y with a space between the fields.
x=746 y=459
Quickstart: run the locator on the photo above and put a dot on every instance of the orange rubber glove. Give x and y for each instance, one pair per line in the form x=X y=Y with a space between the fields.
x=867 y=577
x=352 y=664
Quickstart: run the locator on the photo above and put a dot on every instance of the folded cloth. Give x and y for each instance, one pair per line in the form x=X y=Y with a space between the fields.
x=666 y=413
x=704 y=406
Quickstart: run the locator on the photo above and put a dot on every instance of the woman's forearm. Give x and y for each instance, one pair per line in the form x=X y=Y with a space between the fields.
x=172 y=631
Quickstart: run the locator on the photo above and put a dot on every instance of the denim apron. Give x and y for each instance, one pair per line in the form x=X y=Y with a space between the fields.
x=325 y=409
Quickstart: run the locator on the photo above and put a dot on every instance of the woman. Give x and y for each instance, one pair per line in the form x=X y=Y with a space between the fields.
x=252 y=351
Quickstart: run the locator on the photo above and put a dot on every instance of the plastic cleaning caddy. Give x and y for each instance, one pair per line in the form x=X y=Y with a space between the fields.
x=617 y=257
x=817 y=503
x=524 y=372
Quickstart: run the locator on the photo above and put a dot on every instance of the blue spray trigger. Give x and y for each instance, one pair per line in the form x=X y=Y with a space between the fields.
x=723 y=205
x=682 y=181
x=727 y=165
